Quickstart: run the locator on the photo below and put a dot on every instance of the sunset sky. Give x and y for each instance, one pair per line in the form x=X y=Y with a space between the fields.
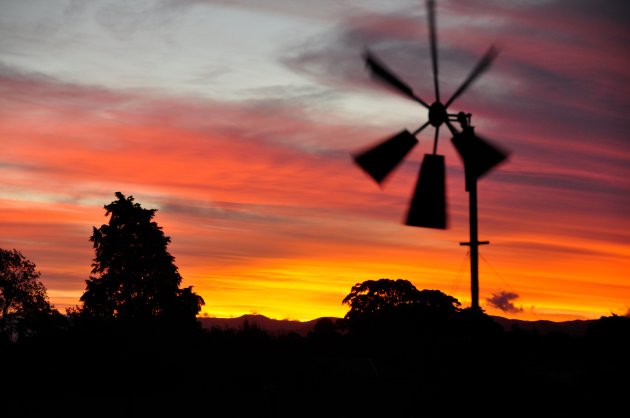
x=236 y=119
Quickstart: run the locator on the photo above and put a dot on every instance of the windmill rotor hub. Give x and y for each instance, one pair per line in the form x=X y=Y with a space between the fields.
x=437 y=114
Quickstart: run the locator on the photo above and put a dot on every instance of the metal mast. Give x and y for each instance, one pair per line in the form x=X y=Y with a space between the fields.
x=468 y=132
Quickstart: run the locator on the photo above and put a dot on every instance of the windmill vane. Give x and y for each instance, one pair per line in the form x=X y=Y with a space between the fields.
x=428 y=206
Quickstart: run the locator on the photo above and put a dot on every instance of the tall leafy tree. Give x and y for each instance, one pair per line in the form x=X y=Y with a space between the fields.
x=374 y=297
x=133 y=274
x=388 y=309
x=23 y=299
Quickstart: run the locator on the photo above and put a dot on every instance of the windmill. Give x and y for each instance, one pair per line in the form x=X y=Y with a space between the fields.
x=428 y=204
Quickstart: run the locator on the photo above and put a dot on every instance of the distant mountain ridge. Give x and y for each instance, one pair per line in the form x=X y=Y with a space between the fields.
x=576 y=328
x=272 y=326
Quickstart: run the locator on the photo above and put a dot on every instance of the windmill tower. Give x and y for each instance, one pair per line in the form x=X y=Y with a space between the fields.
x=428 y=204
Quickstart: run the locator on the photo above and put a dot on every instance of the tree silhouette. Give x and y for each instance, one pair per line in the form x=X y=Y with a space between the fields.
x=134 y=276
x=387 y=310
x=23 y=300
x=381 y=296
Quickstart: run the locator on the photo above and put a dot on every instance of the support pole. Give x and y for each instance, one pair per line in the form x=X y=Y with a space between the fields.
x=474 y=243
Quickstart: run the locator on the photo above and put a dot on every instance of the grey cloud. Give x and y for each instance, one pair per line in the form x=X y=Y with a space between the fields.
x=504 y=301
x=123 y=19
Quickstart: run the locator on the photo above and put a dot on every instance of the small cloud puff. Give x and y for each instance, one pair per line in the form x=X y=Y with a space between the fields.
x=504 y=301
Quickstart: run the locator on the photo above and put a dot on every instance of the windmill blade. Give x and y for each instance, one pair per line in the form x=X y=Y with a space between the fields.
x=383 y=73
x=482 y=66
x=433 y=40
x=428 y=205
x=381 y=160
x=478 y=155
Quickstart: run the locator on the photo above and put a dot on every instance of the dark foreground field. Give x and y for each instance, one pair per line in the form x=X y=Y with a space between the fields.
x=136 y=371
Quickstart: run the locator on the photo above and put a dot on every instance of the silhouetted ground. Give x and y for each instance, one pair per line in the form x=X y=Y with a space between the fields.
x=131 y=372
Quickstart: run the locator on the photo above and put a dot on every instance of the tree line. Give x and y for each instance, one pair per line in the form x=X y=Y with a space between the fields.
x=133 y=278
